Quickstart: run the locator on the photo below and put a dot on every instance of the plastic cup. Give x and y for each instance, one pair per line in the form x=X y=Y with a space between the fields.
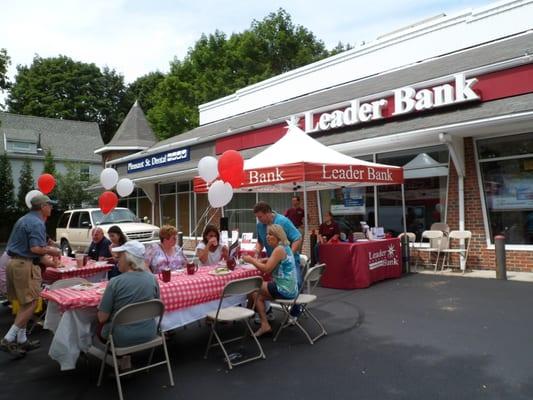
x=165 y=275
x=191 y=268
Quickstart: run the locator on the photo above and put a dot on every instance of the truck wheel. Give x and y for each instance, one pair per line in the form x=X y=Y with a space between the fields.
x=65 y=248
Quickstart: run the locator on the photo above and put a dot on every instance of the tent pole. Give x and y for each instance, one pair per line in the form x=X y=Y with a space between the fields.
x=403 y=210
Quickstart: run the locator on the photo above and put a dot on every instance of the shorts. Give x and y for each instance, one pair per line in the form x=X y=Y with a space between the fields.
x=273 y=290
x=23 y=280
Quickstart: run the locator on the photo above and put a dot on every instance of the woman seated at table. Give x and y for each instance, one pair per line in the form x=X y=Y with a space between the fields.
x=210 y=251
x=117 y=238
x=280 y=264
x=328 y=231
x=135 y=284
x=166 y=254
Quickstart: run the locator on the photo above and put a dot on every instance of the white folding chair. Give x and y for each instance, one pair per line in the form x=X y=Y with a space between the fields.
x=240 y=287
x=410 y=236
x=136 y=312
x=459 y=243
x=445 y=229
x=311 y=279
x=435 y=238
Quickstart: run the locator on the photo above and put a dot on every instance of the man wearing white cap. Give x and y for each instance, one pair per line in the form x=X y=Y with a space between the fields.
x=26 y=244
x=135 y=284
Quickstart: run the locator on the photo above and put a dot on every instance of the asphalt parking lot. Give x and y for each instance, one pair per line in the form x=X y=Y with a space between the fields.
x=418 y=337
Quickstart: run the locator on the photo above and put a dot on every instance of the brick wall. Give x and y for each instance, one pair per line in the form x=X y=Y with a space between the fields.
x=480 y=257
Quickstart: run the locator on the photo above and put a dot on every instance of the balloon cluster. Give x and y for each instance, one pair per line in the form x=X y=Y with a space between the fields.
x=109 y=200
x=45 y=183
x=229 y=169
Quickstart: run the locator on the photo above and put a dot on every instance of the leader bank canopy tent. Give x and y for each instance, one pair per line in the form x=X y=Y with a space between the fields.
x=299 y=162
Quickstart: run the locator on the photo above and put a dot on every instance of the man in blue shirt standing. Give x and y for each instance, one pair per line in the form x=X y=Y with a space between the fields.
x=26 y=244
x=265 y=216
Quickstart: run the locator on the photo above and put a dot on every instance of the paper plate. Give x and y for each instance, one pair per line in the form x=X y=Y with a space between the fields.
x=83 y=286
x=219 y=273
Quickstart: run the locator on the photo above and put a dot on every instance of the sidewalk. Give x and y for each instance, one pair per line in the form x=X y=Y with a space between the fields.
x=478 y=273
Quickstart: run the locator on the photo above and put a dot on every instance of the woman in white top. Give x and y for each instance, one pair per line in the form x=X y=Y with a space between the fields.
x=209 y=250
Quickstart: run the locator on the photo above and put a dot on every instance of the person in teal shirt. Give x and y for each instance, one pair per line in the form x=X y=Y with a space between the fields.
x=281 y=266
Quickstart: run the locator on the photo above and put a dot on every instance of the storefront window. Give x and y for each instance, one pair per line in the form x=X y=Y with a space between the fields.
x=168 y=209
x=349 y=206
x=426 y=176
x=506 y=165
x=239 y=212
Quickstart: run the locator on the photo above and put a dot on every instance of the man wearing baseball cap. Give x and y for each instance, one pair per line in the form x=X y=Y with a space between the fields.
x=133 y=285
x=26 y=244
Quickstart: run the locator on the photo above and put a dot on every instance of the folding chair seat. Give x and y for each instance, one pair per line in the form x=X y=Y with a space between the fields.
x=459 y=243
x=242 y=287
x=435 y=239
x=311 y=279
x=136 y=312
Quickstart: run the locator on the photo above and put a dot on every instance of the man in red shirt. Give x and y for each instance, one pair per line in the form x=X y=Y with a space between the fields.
x=296 y=214
x=329 y=230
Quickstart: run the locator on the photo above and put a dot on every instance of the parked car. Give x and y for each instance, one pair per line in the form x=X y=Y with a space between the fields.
x=73 y=232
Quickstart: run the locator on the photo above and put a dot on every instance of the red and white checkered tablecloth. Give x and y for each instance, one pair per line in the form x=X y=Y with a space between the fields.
x=70 y=270
x=182 y=291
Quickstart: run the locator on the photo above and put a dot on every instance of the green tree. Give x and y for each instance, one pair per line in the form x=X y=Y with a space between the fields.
x=59 y=87
x=7 y=189
x=50 y=168
x=142 y=89
x=72 y=187
x=217 y=66
x=4 y=64
x=26 y=183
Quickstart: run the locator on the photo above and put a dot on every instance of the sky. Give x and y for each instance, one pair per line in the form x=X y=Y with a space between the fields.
x=136 y=37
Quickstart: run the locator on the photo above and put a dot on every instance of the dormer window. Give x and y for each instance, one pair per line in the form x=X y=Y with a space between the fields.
x=17 y=146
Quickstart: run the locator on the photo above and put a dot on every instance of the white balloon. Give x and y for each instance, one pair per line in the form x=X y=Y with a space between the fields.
x=124 y=187
x=108 y=178
x=208 y=168
x=30 y=195
x=219 y=194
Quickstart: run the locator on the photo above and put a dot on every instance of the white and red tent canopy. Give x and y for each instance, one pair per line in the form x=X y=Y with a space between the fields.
x=298 y=162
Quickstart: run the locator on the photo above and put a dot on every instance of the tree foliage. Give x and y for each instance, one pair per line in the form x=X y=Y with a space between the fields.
x=4 y=64
x=71 y=188
x=59 y=87
x=143 y=88
x=7 y=189
x=49 y=167
x=217 y=66
x=26 y=183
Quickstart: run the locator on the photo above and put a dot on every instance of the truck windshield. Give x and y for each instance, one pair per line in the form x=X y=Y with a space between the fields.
x=114 y=217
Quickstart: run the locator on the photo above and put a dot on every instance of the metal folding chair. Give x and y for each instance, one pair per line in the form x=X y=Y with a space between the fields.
x=311 y=279
x=242 y=287
x=459 y=243
x=435 y=238
x=136 y=312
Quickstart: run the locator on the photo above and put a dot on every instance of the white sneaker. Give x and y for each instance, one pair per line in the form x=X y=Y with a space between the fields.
x=270 y=316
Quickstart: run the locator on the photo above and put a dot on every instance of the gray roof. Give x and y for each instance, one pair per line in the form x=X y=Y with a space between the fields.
x=447 y=64
x=134 y=130
x=68 y=140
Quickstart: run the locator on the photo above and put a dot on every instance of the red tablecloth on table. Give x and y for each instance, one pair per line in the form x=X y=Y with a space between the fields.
x=358 y=265
x=182 y=291
x=70 y=270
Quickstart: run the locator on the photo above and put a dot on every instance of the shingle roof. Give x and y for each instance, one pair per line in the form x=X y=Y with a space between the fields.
x=134 y=130
x=68 y=140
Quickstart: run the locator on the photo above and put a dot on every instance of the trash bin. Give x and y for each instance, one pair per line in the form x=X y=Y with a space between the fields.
x=406 y=261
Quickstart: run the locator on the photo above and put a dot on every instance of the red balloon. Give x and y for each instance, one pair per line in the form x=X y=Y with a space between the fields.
x=230 y=168
x=107 y=202
x=46 y=183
